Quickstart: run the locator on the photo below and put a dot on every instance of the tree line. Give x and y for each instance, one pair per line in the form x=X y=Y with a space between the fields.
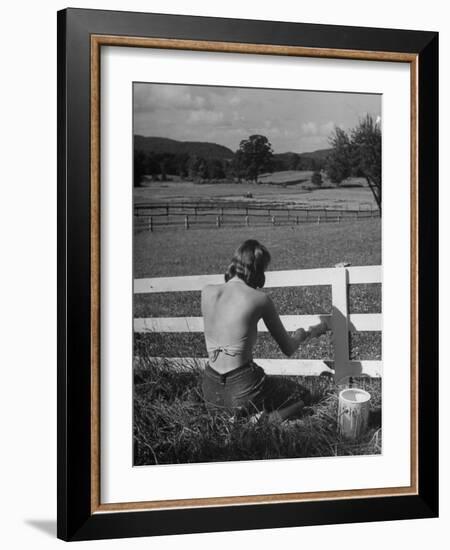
x=356 y=153
x=253 y=158
x=159 y=165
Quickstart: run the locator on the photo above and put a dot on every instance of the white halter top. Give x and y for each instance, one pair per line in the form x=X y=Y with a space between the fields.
x=214 y=348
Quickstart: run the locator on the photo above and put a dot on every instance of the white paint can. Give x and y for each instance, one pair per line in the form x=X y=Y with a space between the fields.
x=353 y=412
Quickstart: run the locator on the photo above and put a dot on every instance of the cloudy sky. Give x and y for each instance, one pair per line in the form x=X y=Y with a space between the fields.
x=298 y=121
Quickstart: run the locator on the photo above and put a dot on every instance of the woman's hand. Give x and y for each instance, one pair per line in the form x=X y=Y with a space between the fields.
x=314 y=331
x=300 y=335
x=318 y=330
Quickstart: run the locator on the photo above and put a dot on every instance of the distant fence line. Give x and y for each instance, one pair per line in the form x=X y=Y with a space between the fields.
x=151 y=216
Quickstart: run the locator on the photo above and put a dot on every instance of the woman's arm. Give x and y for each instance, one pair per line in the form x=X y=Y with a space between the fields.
x=288 y=344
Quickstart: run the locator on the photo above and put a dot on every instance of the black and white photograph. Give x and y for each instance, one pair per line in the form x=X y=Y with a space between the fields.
x=257 y=273
x=223 y=275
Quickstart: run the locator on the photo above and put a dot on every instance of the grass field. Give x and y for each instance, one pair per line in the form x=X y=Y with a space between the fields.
x=194 y=252
x=173 y=426
x=171 y=422
x=351 y=195
x=288 y=177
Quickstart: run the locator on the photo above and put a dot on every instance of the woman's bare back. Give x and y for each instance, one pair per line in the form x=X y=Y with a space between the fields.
x=231 y=312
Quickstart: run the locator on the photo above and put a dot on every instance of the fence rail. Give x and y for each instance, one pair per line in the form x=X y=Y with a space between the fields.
x=340 y=320
x=187 y=215
x=222 y=205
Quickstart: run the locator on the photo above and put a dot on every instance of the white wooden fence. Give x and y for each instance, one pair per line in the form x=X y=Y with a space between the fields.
x=340 y=320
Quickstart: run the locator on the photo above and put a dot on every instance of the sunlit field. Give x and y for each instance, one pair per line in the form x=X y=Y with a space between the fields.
x=351 y=194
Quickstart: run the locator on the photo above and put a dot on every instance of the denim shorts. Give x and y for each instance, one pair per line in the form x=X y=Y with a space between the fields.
x=247 y=387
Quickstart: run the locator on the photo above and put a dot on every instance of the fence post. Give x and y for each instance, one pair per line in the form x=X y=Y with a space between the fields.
x=339 y=322
x=186 y=222
x=150 y=224
x=247 y=221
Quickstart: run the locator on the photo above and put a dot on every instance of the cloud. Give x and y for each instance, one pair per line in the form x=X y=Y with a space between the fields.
x=313 y=129
x=235 y=100
x=205 y=117
x=309 y=128
x=152 y=98
x=327 y=128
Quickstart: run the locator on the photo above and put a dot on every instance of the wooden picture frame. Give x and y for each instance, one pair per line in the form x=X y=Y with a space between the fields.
x=81 y=35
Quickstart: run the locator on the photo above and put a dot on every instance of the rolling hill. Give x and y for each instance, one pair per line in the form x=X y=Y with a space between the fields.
x=320 y=154
x=208 y=150
x=290 y=157
x=202 y=149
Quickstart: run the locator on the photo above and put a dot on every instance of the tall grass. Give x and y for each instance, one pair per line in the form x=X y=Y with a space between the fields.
x=172 y=424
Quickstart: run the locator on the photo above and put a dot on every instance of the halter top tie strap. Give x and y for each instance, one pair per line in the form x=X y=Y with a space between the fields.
x=214 y=348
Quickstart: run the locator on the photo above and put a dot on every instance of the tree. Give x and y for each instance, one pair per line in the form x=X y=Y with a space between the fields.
x=339 y=162
x=357 y=153
x=316 y=178
x=366 y=154
x=197 y=168
x=182 y=161
x=254 y=156
x=300 y=165
x=192 y=166
x=163 y=169
x=237 y=165
x=152 y=166
x=139 y=162
x=215 y=169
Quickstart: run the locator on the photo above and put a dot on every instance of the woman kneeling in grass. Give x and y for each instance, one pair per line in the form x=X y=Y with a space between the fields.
x=231 y=312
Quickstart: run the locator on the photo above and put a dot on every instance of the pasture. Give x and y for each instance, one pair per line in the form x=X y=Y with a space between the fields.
x=171 y=423
x=194 y=252
x=352 y=194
